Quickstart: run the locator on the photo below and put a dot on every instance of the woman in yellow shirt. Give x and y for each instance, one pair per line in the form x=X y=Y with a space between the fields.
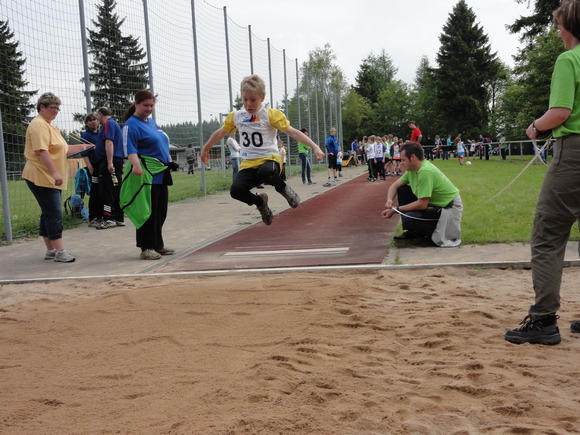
x=46 y=173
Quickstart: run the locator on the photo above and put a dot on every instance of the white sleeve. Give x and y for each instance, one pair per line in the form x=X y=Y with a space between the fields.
x=233 y=144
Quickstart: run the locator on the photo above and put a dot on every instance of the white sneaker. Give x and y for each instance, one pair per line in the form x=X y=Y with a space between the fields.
x=150 y=254
x=50 y=254
x=63 y=256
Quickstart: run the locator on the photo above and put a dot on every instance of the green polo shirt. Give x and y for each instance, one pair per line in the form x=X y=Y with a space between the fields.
x=564 y=91
x=303 y=149
x=430 y=182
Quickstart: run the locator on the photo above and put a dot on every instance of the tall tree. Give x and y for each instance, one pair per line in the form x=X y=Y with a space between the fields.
x=423 y=98
x=118 y=69
x=374 y=74
x=465 y=67
x=14 y=99
x=535 y=24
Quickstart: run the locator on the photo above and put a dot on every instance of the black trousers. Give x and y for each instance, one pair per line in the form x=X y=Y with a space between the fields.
x=150 y=236
x=416 y=226
x=95 y=202
x=110 y=192
x=267 y=173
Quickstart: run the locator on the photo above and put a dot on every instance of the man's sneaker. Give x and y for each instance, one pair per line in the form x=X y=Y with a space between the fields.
x=150 y=254
x=259 y=186
x=106 y=224
x=120 y=223
x=291 y=196
x=312 y=182
x=95 y=222
x=165 y=251
x=50 y=254
x=539 y=330
x=63 y=256
x=575 y=326
x=264 y=210
x=407 y=235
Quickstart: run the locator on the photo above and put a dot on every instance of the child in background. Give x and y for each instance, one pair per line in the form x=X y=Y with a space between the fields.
x=282 y=151
x=339 y=162
x=460 y=150
x=371 y=158
x=396 y=156
x=380 y=158
x=261 y=162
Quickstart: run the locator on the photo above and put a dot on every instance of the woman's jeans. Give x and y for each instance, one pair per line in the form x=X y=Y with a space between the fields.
x=305 y=167
x=50 y=203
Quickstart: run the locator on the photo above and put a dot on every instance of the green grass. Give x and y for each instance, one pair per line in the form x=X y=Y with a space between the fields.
x=507 y=218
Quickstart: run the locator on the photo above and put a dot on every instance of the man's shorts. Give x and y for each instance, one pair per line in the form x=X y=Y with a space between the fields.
x=332 y=161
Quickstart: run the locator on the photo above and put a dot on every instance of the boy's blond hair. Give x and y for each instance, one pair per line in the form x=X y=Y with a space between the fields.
x=253 y=83
x=372 y=138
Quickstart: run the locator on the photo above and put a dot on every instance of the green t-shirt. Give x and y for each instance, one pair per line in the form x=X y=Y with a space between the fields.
x=303 y=148
x=502 y=143
x=430 y=182
x=564 y=91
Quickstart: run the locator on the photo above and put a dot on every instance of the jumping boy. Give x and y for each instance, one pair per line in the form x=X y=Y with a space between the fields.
x=261 y=161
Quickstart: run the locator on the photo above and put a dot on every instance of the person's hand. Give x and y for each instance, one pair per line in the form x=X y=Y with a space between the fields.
x=389 y=203
x=137 y=170
x=531 y=131
x=57 y=179
x=318 y=154
x=173 y=166
x=205 y=155
x=111 y=168
x=387 y=213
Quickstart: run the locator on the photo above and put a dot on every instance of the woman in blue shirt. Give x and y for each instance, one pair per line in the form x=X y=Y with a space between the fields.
x=142 y=137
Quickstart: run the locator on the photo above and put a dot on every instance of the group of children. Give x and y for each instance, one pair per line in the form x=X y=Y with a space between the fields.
x=383 y=155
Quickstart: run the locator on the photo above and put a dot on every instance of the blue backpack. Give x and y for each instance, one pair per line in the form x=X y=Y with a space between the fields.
x=75 y=206
x=82 y=182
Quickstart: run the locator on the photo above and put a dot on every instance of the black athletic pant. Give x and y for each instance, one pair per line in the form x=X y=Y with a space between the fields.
x=149 y=236
x=267 y=173
x=110 y=192
x=95 y=203
x=419 y=227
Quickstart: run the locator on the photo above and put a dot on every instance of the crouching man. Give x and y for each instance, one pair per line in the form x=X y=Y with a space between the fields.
x=429 y=204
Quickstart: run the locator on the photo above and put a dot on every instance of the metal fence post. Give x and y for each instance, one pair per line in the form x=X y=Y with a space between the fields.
x=148 y=44
x=298 y=95
x=228 y=59
x=289 y=152
x=270 y=75
x=4 y=182
x=85 y=57
x=251 y=52
x=198 y=91
x=339 y=115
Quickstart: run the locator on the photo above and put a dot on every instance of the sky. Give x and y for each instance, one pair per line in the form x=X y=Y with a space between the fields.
x=406 y=30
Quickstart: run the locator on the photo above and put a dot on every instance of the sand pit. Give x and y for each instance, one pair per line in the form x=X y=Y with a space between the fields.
x=363 y=352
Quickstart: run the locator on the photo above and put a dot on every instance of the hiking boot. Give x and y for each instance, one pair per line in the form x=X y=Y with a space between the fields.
x=50 y=254
x=291 y=196
x=106 y=224
x=165 y=251
x=575 y=326
x=63 y=256
x=150 y=254
x=539 y=330
x=264 y=210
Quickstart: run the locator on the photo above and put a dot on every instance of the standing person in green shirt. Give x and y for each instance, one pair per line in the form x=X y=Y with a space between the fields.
x=502 y=146
x=303 y=151
x=429 y=202
x=558 y=205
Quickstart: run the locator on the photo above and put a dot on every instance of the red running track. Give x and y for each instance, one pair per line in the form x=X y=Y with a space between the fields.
x=340 y=226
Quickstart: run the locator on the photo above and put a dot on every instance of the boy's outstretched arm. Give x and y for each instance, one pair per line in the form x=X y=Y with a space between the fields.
x=301 y=137
x=217 y=135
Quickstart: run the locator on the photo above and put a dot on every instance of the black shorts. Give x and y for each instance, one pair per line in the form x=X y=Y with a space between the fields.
x=332 y=161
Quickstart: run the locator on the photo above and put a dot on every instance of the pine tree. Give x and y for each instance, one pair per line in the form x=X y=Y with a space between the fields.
x=375 y=73
x=14 y=100
x=118 y=69
x=465 y=67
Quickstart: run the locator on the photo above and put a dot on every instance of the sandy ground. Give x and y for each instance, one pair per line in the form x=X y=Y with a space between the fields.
x=361 y=352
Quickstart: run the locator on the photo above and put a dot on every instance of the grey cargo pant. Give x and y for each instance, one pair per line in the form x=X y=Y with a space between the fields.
x=557 y=209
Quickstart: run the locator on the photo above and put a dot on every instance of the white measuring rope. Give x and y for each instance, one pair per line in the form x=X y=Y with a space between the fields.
x=412 y=217
x=534 y=143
